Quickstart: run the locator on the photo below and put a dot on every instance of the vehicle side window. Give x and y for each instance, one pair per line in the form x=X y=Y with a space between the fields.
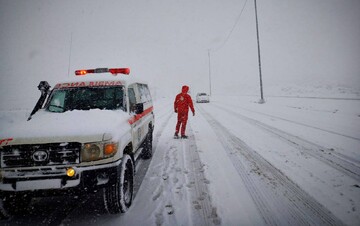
x=144 y=93
x=132 y=99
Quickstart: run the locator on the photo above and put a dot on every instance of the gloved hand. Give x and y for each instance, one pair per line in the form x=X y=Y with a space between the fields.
x=194 y=113
x=175 y=110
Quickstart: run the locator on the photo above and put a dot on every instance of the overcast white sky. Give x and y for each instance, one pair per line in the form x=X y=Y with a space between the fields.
x=166 y=42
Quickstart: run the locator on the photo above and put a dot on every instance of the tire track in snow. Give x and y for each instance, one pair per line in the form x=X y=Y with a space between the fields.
x=325 y=155
x=298 y=123
x=182 y=180
x=279 y=200
x=201 y=200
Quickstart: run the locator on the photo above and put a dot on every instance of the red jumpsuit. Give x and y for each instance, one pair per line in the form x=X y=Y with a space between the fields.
x=181 y=106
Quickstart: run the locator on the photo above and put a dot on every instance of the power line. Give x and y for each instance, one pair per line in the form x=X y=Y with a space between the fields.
x=232 y=29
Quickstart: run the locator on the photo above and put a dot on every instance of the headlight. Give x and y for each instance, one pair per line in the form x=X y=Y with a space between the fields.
x=97 y=151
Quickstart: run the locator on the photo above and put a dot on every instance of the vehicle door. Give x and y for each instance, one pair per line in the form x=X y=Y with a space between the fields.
x=135 y=119
x=146 y=100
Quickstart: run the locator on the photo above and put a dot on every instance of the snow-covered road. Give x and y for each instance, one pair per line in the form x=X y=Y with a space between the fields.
x=282 y=163
x=291 y=161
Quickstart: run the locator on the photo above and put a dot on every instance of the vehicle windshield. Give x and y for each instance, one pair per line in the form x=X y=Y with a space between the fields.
x=86 y=98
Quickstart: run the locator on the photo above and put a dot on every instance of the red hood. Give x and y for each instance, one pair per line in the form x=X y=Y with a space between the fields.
x=185 y=89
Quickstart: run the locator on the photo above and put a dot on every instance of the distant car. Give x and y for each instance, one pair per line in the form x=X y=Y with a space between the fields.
x=202 y=98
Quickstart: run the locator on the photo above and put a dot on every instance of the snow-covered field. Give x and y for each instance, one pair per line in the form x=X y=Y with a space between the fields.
x=290 y=161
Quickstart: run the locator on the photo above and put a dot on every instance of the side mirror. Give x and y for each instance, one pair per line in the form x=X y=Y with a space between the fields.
x=139 y=108
x=44 y=88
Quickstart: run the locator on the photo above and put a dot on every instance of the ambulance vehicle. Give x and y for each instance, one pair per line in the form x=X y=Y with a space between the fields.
x=84 y=135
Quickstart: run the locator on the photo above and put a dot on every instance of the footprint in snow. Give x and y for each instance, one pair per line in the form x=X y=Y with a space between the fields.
x=202 y=196
x=169 y=209
x=175 y=180
x=197 y=205
x=165 y=176
x=159 y=219
x=191 y=184
x=157 y=193
x=214 y=215
x=206 y=181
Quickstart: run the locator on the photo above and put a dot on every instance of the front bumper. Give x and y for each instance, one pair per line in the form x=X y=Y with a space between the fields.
x=43 y=181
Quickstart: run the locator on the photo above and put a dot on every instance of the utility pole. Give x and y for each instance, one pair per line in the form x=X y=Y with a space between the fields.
x=261 y=101
x=209 y=71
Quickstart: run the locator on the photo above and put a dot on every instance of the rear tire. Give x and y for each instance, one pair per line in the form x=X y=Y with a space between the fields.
x=118 y=197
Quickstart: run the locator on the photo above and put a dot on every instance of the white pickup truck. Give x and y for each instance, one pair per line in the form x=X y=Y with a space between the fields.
x=83 y=135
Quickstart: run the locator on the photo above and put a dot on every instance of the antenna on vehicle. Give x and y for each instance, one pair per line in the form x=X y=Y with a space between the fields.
x=70 y=54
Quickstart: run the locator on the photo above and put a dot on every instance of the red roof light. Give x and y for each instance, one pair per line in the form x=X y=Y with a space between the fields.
x=113 y=71
x=83 y=72
x=125 y=71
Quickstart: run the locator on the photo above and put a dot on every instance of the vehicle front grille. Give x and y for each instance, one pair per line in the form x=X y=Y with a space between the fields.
x=40 y=155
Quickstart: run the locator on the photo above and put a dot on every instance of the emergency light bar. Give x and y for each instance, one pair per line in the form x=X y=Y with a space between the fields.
x=113 y=71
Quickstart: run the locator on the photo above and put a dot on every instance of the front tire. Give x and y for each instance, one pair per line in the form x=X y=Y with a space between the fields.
x=118 y=197
x=3 y=212
x=14 y=205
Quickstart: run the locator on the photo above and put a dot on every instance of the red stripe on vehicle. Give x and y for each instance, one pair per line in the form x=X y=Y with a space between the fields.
x=137 y=117
x=5 y=141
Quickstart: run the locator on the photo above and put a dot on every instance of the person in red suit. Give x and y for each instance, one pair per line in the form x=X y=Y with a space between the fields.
x=182 y=104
